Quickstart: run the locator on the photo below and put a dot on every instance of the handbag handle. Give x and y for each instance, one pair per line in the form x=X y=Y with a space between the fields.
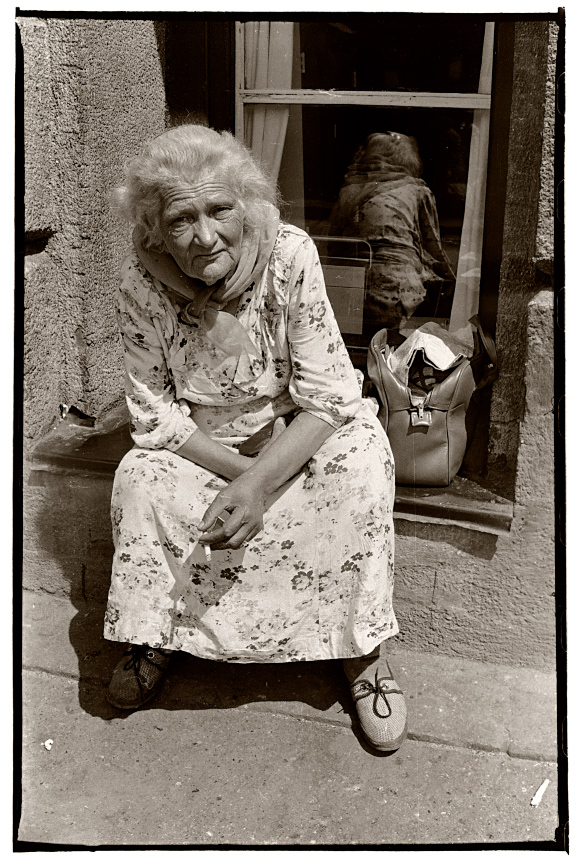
x=491 y=367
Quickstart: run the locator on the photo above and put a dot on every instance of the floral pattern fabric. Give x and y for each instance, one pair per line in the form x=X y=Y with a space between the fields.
x=317 y=582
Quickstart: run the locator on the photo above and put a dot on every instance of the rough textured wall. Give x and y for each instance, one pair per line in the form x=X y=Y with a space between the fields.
x=475 y=595
x=53 y=147
x=545 y=232
x=535 y=470
x=528 y=206
x=93 y=91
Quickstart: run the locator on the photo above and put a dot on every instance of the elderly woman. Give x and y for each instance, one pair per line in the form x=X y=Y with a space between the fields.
x=224 y=550
x=384 y=200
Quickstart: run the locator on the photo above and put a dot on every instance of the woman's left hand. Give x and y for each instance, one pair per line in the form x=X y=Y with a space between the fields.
x=235 y=516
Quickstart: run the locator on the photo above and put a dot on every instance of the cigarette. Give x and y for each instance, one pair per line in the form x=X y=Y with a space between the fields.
x=208 y=552
x=539 y=794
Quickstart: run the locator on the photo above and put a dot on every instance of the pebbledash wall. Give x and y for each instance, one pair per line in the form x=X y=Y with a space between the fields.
x=94 y=89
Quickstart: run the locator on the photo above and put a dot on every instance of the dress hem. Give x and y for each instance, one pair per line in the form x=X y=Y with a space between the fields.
x=233 y=658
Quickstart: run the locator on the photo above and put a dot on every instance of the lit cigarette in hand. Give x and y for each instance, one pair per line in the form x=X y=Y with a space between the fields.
x=218 y=523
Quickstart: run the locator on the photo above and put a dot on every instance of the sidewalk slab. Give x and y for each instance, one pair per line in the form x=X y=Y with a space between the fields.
x=450 y=700
x=170 y=775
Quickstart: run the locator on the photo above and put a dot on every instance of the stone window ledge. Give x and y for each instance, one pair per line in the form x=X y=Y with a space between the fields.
x=71 y=448
x=463 y=503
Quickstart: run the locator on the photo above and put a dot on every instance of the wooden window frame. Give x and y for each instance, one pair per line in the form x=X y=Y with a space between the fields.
x=374 y=98
x=471 y=101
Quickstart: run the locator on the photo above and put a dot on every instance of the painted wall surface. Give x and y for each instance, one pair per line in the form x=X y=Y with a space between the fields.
x=94 y=91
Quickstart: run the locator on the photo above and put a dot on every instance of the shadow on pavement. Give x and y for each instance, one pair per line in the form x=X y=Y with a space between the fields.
x=195 y=684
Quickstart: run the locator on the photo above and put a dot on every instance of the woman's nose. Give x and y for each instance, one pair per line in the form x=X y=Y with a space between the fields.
x=205 y=234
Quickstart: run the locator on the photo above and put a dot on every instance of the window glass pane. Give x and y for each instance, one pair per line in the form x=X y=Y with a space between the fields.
x=386 y=207
x=387 y=52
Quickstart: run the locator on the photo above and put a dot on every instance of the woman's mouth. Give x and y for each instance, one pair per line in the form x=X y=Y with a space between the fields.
x=211 y=254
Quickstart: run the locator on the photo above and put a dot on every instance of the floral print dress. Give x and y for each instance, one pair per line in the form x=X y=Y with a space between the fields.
x=316 y=583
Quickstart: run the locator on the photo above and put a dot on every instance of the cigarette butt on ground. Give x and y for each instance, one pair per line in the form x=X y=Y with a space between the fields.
x=539 y=794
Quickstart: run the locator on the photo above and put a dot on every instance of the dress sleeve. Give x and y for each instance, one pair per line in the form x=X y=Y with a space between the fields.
x=157 y=419
x=431 y=239
x=322 y=380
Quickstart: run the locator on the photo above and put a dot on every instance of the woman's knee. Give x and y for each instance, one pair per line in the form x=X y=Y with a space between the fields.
x=359 y=453
x=363 y=433
x=138 y=469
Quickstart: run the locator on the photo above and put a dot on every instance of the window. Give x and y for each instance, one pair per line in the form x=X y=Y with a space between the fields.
x=308 y=95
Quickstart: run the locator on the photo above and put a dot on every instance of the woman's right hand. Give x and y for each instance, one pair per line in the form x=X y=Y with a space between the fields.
x=236 y=514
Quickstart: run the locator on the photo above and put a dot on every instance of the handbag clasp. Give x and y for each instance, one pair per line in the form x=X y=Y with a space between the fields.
x=419 y=416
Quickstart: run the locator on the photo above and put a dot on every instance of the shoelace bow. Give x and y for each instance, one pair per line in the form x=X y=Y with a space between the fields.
x=381 y=688
x=135 y=661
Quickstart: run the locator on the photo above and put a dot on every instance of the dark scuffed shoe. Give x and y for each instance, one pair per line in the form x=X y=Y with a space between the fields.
x=138 y=676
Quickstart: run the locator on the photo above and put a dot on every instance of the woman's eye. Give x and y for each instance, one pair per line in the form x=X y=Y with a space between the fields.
x=222 y=211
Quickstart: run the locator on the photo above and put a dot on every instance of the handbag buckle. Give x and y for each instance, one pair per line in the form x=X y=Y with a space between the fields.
x=419 y=416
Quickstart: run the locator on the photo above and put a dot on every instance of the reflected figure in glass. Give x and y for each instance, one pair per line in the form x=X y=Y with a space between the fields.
x=384 y=200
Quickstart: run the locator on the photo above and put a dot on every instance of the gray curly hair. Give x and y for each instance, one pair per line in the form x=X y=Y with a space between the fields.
x=183 y=155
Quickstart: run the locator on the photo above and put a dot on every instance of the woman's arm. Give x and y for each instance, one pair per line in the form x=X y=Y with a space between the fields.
x=158 y=419
x=244 y=499
x=207 y=453
x=323 y=385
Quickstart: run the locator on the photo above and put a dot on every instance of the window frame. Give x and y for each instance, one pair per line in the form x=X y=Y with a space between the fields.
x=477 y=102
x=499 y=65
x=375 y=98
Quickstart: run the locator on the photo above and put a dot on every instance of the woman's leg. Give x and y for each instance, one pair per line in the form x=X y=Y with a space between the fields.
x=138 y=676
x=142 y=498
x=379 y=702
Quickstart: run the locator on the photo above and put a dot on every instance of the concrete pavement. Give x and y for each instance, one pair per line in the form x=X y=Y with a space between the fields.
x=256 y=755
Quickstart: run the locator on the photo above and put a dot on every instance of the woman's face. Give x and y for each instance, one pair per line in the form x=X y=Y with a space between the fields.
x=202 y=228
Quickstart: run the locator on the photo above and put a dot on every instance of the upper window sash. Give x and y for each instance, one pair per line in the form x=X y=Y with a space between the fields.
x=377 y=98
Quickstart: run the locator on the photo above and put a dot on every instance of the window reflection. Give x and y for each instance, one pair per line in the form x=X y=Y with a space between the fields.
x=325 y=142
x=384 y=200
x=393 y=52
x=310 y=145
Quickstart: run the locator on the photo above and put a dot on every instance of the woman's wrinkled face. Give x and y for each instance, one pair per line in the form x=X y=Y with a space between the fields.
x=202 y=228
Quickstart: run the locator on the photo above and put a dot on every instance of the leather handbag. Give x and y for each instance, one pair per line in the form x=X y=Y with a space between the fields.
x=427 y=429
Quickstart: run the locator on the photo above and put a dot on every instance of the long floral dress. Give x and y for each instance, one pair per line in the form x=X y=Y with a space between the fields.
x=317 y=581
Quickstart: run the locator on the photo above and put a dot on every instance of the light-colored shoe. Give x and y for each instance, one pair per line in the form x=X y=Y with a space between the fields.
x=379 y=702
x=138 y=676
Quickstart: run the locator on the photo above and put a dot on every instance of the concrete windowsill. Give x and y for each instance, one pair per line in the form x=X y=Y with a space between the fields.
x=72 y=448
x=463 y=503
